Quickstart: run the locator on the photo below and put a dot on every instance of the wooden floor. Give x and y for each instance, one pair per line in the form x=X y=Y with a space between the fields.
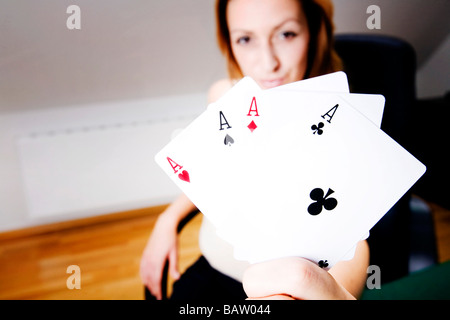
x=33 y=266
x=108 y=254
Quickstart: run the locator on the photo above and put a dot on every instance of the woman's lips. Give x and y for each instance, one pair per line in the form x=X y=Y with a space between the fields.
x=266 y=84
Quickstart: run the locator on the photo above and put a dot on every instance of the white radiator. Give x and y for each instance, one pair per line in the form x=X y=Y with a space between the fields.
x=97 y=169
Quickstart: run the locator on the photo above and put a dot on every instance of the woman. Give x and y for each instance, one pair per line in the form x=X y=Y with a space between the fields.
x=275 y=42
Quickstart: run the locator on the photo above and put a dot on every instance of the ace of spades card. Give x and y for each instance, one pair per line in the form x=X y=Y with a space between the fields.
x=324 y=191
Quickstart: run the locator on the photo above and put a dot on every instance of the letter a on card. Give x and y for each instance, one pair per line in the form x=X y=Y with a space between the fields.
x=175 y=166
x=253 y=108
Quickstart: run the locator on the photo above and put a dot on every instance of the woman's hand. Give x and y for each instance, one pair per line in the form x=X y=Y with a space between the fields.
x=292 y=278
x=162 y=246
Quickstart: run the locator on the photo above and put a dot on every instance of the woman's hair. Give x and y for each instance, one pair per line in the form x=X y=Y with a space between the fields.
x=322 y=58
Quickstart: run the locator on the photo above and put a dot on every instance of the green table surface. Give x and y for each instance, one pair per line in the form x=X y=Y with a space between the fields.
x=432 y=283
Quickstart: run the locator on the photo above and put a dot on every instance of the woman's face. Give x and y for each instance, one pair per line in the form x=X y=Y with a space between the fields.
x=269 y=40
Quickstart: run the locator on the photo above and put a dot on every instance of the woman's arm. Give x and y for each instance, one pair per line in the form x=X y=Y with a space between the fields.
x=163 y=245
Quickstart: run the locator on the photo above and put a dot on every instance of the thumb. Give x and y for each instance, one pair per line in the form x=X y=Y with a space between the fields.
x=173 y=263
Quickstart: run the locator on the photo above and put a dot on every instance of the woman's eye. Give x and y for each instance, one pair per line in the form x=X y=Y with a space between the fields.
x=288 y=35
x=243 y=40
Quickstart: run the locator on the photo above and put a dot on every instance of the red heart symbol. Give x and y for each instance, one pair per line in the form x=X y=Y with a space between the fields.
x=184 y=176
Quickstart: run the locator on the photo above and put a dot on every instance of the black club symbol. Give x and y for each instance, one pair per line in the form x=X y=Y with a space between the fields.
x=323 y=264
x=321 y=201
x=317 y=128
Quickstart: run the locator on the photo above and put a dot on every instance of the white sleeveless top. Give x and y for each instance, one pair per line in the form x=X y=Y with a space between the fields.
x=219 y=253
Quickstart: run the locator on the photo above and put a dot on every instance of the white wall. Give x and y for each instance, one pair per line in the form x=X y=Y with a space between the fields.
x=131 y=49
x=136 y=66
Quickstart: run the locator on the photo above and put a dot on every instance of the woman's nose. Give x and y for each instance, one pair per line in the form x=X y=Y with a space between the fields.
x=270 y=59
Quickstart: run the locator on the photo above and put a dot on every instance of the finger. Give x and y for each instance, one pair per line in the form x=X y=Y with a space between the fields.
x=156 y=292
x=154 y=286
x=151 y=281
x=173 y=263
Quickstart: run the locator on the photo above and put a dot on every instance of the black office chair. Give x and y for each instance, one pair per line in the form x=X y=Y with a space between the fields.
x=380 y=65
x=386 y=65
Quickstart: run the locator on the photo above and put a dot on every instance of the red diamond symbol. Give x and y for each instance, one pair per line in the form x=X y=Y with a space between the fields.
x=252 y=126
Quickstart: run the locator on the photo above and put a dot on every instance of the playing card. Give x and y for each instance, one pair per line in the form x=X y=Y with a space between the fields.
x=189 y=159
x=332 y=174
x=201 y=158
x=237 y=108
x=249 y=116
x=254 y=119
x=371 y=106
x=282 y=172
x=332 y=82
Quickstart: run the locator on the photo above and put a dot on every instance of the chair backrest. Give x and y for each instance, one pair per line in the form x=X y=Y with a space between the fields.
x=385 y=65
